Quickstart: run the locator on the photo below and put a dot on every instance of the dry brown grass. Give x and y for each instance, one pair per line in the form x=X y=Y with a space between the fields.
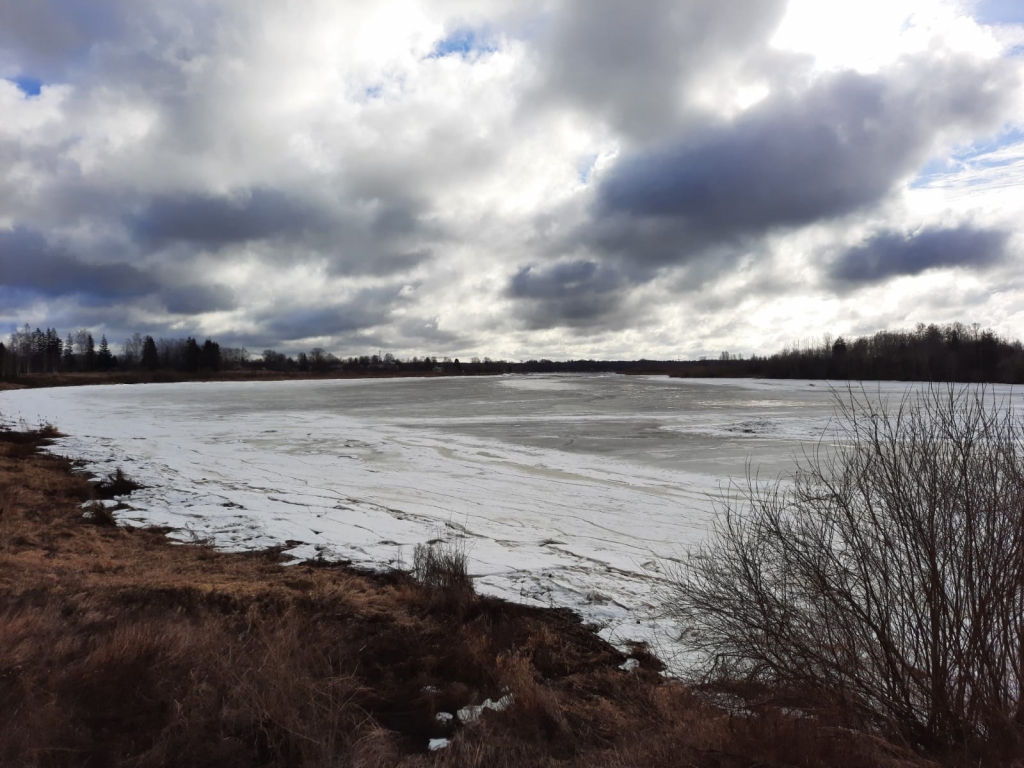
x=120 y=648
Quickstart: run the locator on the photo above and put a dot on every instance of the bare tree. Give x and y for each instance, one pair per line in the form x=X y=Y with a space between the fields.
x=131 y=356
x=82 y=337
x=884 y=580
x=21 y=347
x=318 y=358
x=234 y=358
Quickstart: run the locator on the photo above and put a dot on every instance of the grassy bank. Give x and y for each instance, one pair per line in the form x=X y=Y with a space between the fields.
x=118 y=647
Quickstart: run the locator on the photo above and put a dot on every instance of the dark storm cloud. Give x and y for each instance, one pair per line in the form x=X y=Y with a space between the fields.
x=640 y=246
x=328 y=321
x=797 y=159
x=575 y=278
x=575 y=293
x=395 y=217
x=891 y=254
x=367 y=308
x=28 y=261
x=376 y=237
x=427 y=331
x=47 y=37
x=705 y=203
x=394 y=236
x=196 y=299
x=217 y=221
x=630 y=63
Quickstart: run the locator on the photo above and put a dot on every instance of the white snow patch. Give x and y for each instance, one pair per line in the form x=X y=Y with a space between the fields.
x=473 y=711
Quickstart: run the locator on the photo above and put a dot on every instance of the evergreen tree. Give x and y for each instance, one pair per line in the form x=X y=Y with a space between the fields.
x=150 y=356
x=192 y=355
x=209 y=357
x=54 y=348
x=68 y=362
x=37 y=359
x=90 y=353
x=104 y=360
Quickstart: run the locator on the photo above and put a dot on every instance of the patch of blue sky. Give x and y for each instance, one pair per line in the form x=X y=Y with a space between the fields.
x=985 y=151
x=461 y=42
x=999 y=11
x=585 y=168
x=29 y=86
x=389 y=87
x=978 y=156
x=934 y=169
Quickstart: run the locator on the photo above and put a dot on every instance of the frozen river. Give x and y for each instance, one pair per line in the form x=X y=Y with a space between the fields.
x=568 y=490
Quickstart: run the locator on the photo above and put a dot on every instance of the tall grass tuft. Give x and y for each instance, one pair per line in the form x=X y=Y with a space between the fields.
x=442 y=566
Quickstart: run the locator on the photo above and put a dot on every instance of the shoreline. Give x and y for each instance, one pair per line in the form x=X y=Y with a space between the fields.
x=121 y=647
x=364 y=490
x=44 y=380
x=102 y=579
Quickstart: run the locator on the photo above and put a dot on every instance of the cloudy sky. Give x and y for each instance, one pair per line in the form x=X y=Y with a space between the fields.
x=558 y=178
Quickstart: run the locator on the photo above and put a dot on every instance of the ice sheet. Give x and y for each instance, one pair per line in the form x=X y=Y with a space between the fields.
x=567 y=490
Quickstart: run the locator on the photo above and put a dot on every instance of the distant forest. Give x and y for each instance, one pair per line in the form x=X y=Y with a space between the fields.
x=954 y=352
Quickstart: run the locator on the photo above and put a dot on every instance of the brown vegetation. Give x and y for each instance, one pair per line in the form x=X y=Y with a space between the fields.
x=118 y=647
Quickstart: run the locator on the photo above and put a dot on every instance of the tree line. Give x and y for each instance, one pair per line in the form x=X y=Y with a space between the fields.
x=953 y=352
x=31 y=352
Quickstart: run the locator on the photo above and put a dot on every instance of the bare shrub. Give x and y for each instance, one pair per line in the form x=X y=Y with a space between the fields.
x=116 y=484
x=443 y=565
x=100 y=514
x=883 y=582
x=49 y=431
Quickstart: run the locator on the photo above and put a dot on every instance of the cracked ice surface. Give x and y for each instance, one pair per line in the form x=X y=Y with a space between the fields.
x=568 y=490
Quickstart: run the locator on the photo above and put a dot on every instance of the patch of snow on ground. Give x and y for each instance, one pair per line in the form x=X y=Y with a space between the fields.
x=473 y=711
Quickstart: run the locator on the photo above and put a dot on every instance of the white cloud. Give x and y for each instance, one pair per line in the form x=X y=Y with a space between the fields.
x=866 y=35
x=347 y=185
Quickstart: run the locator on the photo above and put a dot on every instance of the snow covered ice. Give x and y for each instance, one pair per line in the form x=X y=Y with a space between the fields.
x=569 y=490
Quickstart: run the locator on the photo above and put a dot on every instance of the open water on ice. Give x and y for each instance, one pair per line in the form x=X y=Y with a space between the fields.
x=568 y=490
